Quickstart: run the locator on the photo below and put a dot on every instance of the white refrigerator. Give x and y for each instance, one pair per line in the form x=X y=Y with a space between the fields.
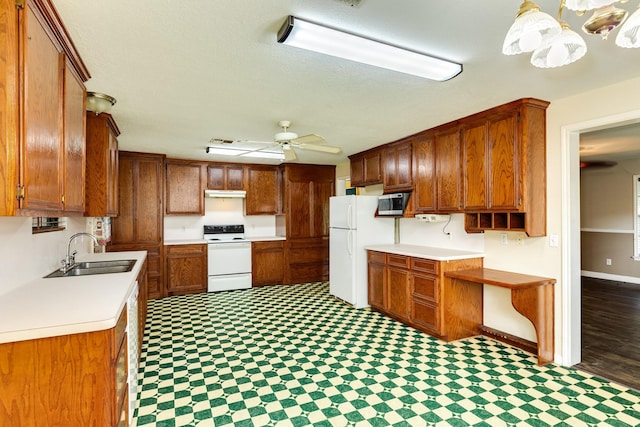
x=353 y=226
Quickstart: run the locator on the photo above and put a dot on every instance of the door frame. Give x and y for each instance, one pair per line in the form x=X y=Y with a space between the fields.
x=571 y=269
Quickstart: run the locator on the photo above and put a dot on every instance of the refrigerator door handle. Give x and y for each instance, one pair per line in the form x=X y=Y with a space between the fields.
x=350 y=242
x=349 y=216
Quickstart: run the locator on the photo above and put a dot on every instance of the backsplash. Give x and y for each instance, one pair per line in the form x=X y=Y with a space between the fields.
x=25 y=256
x=414 y=232
x=218 y=212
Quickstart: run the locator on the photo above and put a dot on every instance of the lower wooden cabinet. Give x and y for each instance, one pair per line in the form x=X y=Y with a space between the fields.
x=267 y=262
x=186 y=267
x=68 y=380
x=414 y=291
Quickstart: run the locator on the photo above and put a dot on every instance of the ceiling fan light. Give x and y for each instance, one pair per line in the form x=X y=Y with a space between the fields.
x=565 y=49
x=285 y=136
x=629 y=34
x=530 y=30
x=307 y=35
x=582 y=5
x=604 y=20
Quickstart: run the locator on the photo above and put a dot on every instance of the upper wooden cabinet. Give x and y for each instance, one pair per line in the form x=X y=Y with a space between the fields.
x=504 y=161
x=448 y=172
x=102 y=165
x=397 y=169
x=424 y=172
x=41 y=113
x=262 y=190
x=366 y=168
x=184 y=187
x=225 y=177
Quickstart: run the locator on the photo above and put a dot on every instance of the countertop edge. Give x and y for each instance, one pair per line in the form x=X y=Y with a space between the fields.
x=427 y=252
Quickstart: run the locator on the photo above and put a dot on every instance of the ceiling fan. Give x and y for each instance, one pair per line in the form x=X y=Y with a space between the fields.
x=287 y=141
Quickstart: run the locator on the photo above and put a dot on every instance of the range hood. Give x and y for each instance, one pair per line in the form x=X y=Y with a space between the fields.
x=234 y=194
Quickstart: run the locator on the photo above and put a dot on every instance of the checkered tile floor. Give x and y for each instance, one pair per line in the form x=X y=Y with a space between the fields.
x=294 y=356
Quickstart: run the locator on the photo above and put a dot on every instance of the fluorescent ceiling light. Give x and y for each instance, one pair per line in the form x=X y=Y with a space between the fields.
x=244 y=152
x=307 y=35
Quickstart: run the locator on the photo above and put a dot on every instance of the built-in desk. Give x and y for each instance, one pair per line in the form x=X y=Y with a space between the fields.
x=531 y=296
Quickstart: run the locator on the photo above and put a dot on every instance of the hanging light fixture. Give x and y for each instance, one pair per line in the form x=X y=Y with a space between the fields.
x=555 y=47
x=563 y=49
x=99 y=102
x=530 y=29
x=629 y=36
x=307 y=35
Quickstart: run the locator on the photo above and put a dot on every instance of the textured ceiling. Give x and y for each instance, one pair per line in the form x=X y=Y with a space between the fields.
x=186 y=71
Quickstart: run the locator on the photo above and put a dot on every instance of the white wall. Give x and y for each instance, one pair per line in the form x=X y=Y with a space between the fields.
x=218 y=212
x=25 y=256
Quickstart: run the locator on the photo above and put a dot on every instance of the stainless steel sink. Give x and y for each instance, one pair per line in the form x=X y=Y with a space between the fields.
x=96 y=267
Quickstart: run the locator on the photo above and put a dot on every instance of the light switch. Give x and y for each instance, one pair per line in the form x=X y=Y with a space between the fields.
x=553 y=240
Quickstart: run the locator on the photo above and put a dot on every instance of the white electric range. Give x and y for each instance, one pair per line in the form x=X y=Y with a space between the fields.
x=229 y=258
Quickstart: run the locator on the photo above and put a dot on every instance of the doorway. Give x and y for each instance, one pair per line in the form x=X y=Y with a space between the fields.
x=571 y=265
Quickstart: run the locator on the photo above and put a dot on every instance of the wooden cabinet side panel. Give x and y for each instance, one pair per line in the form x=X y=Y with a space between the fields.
x=534 y=170
x=57 y=381
x=376 y=285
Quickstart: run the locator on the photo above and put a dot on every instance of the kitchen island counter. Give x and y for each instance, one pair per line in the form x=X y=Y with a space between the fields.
x=59 y=306
x=427 y=252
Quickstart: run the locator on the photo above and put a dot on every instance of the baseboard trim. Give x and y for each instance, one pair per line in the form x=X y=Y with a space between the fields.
x=521 y=343
x=607 y=276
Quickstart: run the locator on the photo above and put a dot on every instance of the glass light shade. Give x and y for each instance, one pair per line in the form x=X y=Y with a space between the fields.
x=566 y=48
x=530 y=30
x=582 y=5
x=604 y=20
x=629 y=36
x=307 y=35
x=99 y=102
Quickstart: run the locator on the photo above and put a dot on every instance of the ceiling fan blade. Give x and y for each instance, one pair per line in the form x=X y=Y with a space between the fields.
x=321 y=148
x=289 y=154
x=304 y=139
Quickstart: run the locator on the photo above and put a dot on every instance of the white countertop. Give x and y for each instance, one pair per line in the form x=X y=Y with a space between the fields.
x=68 y=305
x=437 y=254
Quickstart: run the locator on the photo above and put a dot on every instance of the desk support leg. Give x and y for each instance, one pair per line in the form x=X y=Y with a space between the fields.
x=536 y=304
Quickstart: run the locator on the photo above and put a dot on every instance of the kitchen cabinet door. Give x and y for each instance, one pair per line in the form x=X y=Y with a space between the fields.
x=186 y=267
x=398 y=292
x=424 y=169
x=184 y=188
x=366 y=168
x=102 y=165
x=377 y=275
x=504 y=162
x=222 y=176
x=262 y=192
x=74 y=142
x=397 y=170
x=42 y=146
x=267 y=263
x=448 y=171
x=474 y=165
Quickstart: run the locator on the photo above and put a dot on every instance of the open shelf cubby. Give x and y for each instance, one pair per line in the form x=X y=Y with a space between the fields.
x=477 y=222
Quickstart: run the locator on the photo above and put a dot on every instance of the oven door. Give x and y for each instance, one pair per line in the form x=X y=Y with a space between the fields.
x=229 y=258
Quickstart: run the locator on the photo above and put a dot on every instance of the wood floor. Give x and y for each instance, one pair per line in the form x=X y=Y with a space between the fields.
x=611 y=330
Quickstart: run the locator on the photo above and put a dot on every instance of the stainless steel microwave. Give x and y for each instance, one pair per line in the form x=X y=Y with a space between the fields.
x=392 y=204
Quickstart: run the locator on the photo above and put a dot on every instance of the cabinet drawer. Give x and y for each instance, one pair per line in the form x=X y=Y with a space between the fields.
x=426 y=286
x=119 y=332
x=374 y=256
x=425 y=265
x=426 y=315
x=398 y=260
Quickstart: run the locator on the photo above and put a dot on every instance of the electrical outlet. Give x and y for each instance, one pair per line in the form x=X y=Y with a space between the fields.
x=608 y=261
x=504 y=239
x=520 y=239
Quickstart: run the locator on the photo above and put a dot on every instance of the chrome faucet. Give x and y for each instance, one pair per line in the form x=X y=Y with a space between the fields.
x=70 y=260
